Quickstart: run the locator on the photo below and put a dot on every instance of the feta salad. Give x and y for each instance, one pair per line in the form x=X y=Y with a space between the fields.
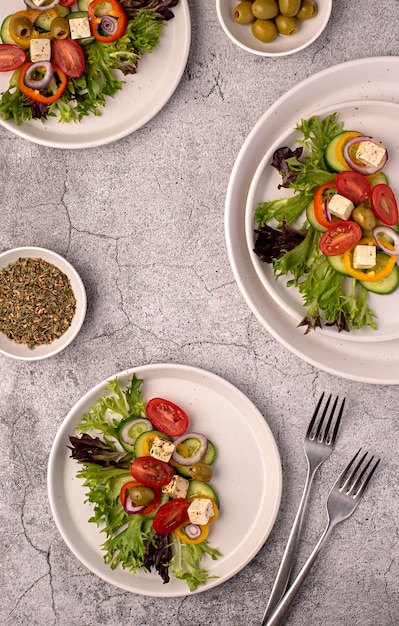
x=348 y=243
x=148 y=481
x=61 y=55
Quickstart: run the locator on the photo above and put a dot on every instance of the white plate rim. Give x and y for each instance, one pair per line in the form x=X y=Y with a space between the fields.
x=266 y=515
x=389 y=108
x=357 y=79
x=75 y=137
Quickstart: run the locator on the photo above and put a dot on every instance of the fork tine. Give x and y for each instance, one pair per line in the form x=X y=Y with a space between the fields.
x=353 y=483
x=337 y=423
x=321 y=432
x=320 y=425
x=314 y=416
x=360 y=485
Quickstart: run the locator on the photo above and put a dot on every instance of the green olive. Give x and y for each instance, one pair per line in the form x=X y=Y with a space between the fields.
x=264 y=30
x=308 y=9
x=364 y=216
x=21 y=26
x=242 y=14
x=286 y=25
x=59 y=28
x=141 y=495
x=201 y=471
x=265 y=9
x=289 y=8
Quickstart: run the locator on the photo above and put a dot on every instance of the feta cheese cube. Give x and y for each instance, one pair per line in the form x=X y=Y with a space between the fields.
x=79 y=27
x=200 y=511
x=340 y=206
x=40 y=49
x=177 y=488
x=371 y=153
x=162 y=449
x=364 y=257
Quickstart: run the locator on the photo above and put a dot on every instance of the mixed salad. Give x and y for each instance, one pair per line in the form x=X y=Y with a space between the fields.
x=61 y=54
x=348 y=242
x=148 y=479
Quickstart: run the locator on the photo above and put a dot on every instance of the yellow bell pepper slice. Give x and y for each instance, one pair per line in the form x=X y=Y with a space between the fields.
x=369 y=275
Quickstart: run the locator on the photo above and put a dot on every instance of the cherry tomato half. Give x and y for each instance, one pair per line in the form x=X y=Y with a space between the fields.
x=340 y=237
x=67 y=3
x=170 y=516
x=68 y=55
x=384 y=205
x=151 y=472
x=167 y=417
x=11 y=57
x=353 y=186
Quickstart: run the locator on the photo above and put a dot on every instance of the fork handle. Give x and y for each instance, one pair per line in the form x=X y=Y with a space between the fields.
x=287 y=561
x=278 y=615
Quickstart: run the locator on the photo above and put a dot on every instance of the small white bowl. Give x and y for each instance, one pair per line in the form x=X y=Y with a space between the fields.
x=21 y=351
x=240 y=34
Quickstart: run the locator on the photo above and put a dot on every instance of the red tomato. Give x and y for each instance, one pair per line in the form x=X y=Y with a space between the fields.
x=11 y=57
x=68 y=55
x=384 y=205
x=170 y=516
x=151 y=472
x=67 y=3
x=167 y=417
x=341 y=236
x=353 y=186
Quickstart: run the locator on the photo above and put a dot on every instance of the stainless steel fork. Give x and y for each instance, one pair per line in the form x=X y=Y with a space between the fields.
x=342 y=502
x=318 y=445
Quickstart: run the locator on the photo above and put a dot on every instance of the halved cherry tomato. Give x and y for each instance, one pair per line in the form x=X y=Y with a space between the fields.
x=170 y=516
x=68 y=55
x=384 y=205
x=353 y=185
x=147 y=509
x=340 y=237
x=66 y=3
x=11 y=57
x=151 y=472
x=167 y=417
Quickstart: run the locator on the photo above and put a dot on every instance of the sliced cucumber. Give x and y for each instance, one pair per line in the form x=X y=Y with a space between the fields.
x=198 y=489
x=337 y=263
x=130 y=428
x=192 y=445
x=76 y=14
x=378 y=179
x=62 y=11
x=330 y=155
x=43 y=21
x=142 y=443
x=83 y=5
x=386 y=285
x=117 y=483
x=5 y=30
x=312 y=218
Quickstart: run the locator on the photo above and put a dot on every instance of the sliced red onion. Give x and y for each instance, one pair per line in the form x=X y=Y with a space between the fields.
x=146 y=425
x=109 y=24
x=34 y=6
x=392 y=234
x=326 y=211
x=195 y=458
x=367 y=170
x=42 y=82
x=192 y=531
x=130 y=507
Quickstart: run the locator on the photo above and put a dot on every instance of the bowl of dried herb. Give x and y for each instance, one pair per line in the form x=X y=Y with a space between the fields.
x=42 y=303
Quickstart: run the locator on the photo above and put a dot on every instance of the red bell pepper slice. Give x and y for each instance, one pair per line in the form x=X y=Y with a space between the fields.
x=38 y=96
x=115 y=10
x=318 y=204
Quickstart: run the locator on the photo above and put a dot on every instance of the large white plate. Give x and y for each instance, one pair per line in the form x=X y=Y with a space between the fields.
x=375 y=118
x=365 y=79
x=139 y=100
x=249 y=500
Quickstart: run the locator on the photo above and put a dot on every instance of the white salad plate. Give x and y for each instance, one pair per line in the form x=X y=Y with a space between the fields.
x=249 y=500
x=368 y=80
x=374 y=118
x=140 y=99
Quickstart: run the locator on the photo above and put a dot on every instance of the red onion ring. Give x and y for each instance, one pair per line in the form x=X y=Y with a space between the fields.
x=392 y=234
x=195 y=458
x=45 y=7
x=367 y=170
x=192 y=531
x=43 y=82
x=130 y=507
x=109 y=24
x=326 y=212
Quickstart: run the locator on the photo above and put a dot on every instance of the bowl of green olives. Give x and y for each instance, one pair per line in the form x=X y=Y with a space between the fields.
x=273 y=27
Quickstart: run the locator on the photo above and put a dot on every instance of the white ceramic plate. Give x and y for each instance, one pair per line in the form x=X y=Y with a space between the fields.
x=365 y=79
x=21 y=351
x=139 y=100
x=249 y=499
x=308 y=31
x=375 y=118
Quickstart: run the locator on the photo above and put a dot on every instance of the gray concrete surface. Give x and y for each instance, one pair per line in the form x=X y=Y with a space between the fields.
x=160 y=289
